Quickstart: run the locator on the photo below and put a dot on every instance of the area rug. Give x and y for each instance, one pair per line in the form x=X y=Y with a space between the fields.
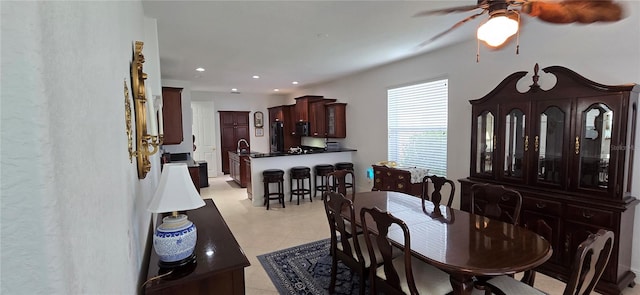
x=306 y=269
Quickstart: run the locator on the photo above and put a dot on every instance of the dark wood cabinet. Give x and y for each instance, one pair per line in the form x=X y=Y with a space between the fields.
x=234 y=125
x=172 y=115
x=336 y=124
x=392 y=179
x=318 y=118
x=247 y=176
x=286 y=115
x=237 y=168
x=219 y=266
x=302 y=107
x=569 y=152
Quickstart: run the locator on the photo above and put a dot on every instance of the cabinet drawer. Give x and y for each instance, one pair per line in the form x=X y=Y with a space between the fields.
x=590 y=216
x=552 y=208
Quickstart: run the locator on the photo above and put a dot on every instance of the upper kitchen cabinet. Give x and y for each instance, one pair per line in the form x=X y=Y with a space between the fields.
x=302 y=106
x=317 y=118
x=172 y=115
x=336 y=124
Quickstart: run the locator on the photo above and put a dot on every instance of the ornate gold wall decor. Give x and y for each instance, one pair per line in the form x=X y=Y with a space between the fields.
x=146 y=144
x=127 y=119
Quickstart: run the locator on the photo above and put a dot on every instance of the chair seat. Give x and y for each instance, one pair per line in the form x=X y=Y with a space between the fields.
x=365 y=252
x=429 y=279
x=509 y=285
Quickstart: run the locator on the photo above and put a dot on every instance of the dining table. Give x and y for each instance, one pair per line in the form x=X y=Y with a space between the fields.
x=464 y=245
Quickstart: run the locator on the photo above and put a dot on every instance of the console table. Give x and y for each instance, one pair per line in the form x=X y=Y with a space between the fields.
x=220 y=261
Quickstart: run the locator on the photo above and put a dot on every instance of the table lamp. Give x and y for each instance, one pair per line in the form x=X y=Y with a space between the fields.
x=175 y=239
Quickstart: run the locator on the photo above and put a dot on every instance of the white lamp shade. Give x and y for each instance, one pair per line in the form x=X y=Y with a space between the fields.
x=176 y=191
x=497 y=30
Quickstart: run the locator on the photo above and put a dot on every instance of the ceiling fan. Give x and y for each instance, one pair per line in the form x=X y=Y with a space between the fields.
x=504 y=15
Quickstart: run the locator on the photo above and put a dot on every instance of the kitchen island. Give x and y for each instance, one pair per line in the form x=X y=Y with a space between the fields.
x=284 y=161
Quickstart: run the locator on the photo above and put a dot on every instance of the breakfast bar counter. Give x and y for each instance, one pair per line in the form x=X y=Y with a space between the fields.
x=284 y=161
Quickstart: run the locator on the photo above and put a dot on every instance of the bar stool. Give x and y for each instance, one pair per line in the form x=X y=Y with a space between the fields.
x=273 y=176
x=321 y=171
x=300 y=173
x=346 y=166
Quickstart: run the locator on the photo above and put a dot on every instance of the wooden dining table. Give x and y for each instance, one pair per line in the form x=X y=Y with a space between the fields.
x=462 y=244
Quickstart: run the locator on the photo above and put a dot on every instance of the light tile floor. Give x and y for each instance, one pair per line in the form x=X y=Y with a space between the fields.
x=259 y=231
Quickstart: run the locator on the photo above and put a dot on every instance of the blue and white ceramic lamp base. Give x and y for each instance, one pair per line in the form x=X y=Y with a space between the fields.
x=174 y=241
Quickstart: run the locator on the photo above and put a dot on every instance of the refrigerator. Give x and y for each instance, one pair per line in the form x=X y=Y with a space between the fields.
x=277 y=137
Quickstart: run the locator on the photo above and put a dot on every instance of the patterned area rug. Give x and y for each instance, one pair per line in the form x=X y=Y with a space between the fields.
x=306 y=269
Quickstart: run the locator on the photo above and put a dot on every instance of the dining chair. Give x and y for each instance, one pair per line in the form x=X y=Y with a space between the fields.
x=588 y=265
x=345 y=247
x=496 y=202
x=404 y=274
x=439 y=183
x=338 y=182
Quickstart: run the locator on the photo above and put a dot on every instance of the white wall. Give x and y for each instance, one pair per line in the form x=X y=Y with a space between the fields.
x=73 y=210
x=588 y=50
x=241 y=102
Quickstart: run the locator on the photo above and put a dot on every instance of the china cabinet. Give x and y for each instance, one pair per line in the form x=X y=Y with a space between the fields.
x=569 y=151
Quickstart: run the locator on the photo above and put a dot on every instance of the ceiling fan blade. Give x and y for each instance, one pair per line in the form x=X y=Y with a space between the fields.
x=448 y=10
x=452 y=28
x=571 y=11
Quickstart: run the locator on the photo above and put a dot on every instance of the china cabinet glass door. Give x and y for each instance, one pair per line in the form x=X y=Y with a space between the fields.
x=549 y=144
x=516 y=143
x=486 y=143
x=593 y=146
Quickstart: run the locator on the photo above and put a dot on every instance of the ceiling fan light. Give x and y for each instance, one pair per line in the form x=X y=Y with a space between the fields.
x=497 y=30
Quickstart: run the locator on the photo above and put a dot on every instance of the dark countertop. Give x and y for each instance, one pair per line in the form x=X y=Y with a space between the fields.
x=280 y=154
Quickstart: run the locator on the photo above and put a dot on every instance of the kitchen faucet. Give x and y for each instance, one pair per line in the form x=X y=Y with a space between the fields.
x=245 y=142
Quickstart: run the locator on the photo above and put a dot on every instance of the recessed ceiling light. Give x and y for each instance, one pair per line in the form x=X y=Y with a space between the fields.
x=234 y=89
x=276 y=89
x=200 y=69
x=256 y=77
x=294 y=82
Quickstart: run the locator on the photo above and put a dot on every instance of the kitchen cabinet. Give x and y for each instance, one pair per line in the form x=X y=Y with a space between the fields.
x=569 y=152
x=397 y=180
x=302 y=107
x=317 y=118
x=336 y=124
x=237 y=168
x=234 y=125
x=172 y=115
x=247 y=176
x=286 y=115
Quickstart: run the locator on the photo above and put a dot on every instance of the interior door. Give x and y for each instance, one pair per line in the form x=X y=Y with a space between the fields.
x=204 y=131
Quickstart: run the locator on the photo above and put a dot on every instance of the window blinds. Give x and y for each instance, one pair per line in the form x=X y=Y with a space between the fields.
x=417 y=126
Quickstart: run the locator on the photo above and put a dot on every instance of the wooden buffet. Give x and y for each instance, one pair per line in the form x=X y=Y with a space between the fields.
x=220 y=262
x=395 y=179
x=569 y=152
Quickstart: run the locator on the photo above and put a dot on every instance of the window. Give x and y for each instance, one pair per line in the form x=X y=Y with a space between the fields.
x=417 y=126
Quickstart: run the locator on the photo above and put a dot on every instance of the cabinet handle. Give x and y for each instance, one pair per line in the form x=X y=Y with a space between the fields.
x=400 y=176
x=567 y=243
x=400 y=185
x=541 y=205
x=587 y=214
x=388 y=173
x=536 y=144
x=377 y=180
x=577 y=145
x=526 y=143
x=494 y=143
